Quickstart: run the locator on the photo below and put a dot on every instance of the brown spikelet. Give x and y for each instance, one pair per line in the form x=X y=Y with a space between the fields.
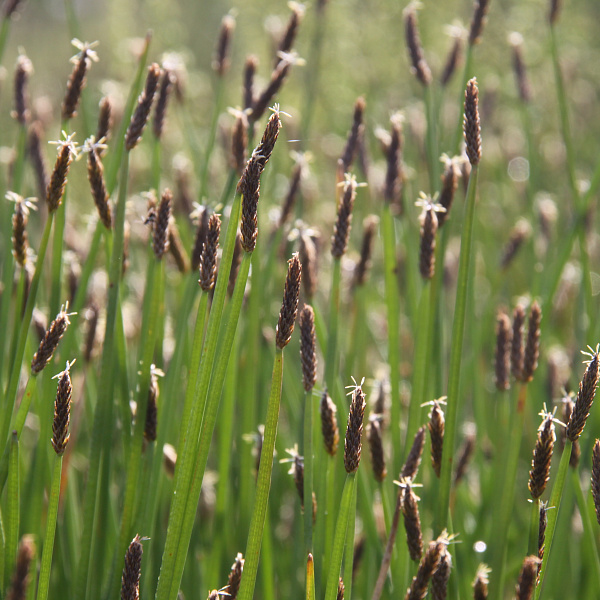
x=419 y=67
x=152 y=407
x=392 y=190
x=142 y=111
x=262 y=152
x=464 y=458
x=449 y=185
x=126 y=240
x=176 y=248
x=308 y=355
x=58 y=179
x=478 y=21
x=471 y=123
x=503 y=345
x=439 y=581
x=104 y=119
x=37 y=158
x=532 y=347
x=343 y=223
x=585 y=398
x=265 y=98
x=239 y=142
x=516 y=42
x=201 y=233
x=291 y=30
x=162 y=99
x=19 y=582
x=249 y=71
x=289 y=306
x=92 y=315
x=542 y=535
x=353 y=442
x=76 y=83
x=208 y=258
x=329 y=426
x=452 y=62
x=480 y=584
x=436 y=428
x=48 y=345
x=22 y=72
x=297 y=471
x=307 y=250
x=413 y=460
x=596 y=478
x=555 y=6
x=412 y=522
x=220 y=62
x=130 y=581
x=568 y=406
x=9 y=8
x=95 y=171
x=427 y=567
x=235 y=576
x=517 y=349
x=518 y=236
x=350 y=149
x=379 y=404
x=292 y=193
x=160 y=242
x=429 y=225
x=62 y=411
x=376 y=447
x=364 y=264
x=341 y=589
x=235 y=264
x=542 y=456
x=527 y=578
x=19 y=223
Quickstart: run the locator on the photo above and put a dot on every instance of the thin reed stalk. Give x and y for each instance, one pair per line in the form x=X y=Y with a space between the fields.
x=13 y=516
x=310 y=578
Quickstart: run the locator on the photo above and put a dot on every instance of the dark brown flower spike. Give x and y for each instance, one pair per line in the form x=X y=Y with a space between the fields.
x=67 y=151
x=208 y=258
x=471 y=123
x=429 y=227
x=517 y=350
x=152 y=407
x=516 y=41
x=329 y=426
x=412 y=520
x=450 y=179
x=289 y=306
x=350 y=149
x=353 y=442
x=361 y=271
x=413 y=460
x=220 y=62
x=542 y=455
x=160 y=230
x=37 y=158
x=19 y=223
x=92 y=316
x=235 y=576
x=300 y=167
x=532 y=346
x=567 y=411
x=249 y=71
x=95 y=171
x=19 y=582
x=503 y=345
x=596 y=478
x=308 y=257
x=464 y=458
x=200 y=214
x=235 y=264
x=23 y=69
x=142 y=111
x=555 y=6
x=343 y=223
x=585 y=397
x=376 y=447
x=453 y=60
x=518 y=236
x=439 y=581
x=392 y=190
x=291 y=30
x=527 y=578
x=82 y=62
x=436 y=428
x=478 y=21
x=308 y=356
x=278 y=76
x=419 y=67
x=162 y=99
x=480 y=585
x=239 y=141
x=49 y=344
x=104 y=119
x=427 y=567
x=177 y=249
x=130 y=581
x=62 y=411
x=542 y=534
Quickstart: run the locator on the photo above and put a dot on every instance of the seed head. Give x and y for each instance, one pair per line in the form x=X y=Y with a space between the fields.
x=516 y=42
x=289 y=36
x=239 y=141
x=542 y=455
x=96 y=178
x=596 y=478
x=289 y=306
x=349 y=152
x=341 y=231
x=353 y=443
x=439 y=581
x=478 y=21
x=413 y=460
x=82 y=62
x=471 y=123
x=532 y=347
x=527 y=578
x=480 y=585
x=142 y=111
x=517 y=351
x=20 y=577
x=19 y=223
x=130 y=581
x=208 y=258
x=62 y=411
x=585 y=397
x=376 y=447
x=392 y=191
x=450 y=179
x=202 y=215
x=308 y=355
x=362 y=268
x=412 y=521
x=503 y=345
x=436 y=428
x=307 y=250
x=152 y=406
x=104 y=119
x=160 y=230
x=427 y=567
x=221 y=60
x=23 y=70
x=235 y=576
x=419 y=66
x=67 y=151
x=249 y=72
x=567 y=411
x=555 y=6
x=278 y=76
x=429 y=226
x=464 y=458
x=518 y=236
x=453 y=60
x=329 y=426
x=48 y=345
x=160 y=111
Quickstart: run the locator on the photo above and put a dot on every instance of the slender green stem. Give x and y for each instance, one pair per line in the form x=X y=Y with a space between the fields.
x=349 y=552
x=466 y=76
x=308 y=470
x=331 y=359
x=44 y=580
x=4 y=29
x=432 y=142
x=340 y=540
x=555 y=498
x=329 y=526
x=534 y=527
x=263 y=483
x=13 y=516
x=458 y=329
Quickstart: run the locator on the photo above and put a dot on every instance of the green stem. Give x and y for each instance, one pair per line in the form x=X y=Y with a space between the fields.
x=4 y=29
x=13 y=516
x=308 y=470
x=349 y=553
x=466 y=76
x=534 y=527
x=331 y=359
x=263 y=483
x=432 y=142
x=339 y=541
x=44 y=581
x=458 y=329
x=555 y=498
